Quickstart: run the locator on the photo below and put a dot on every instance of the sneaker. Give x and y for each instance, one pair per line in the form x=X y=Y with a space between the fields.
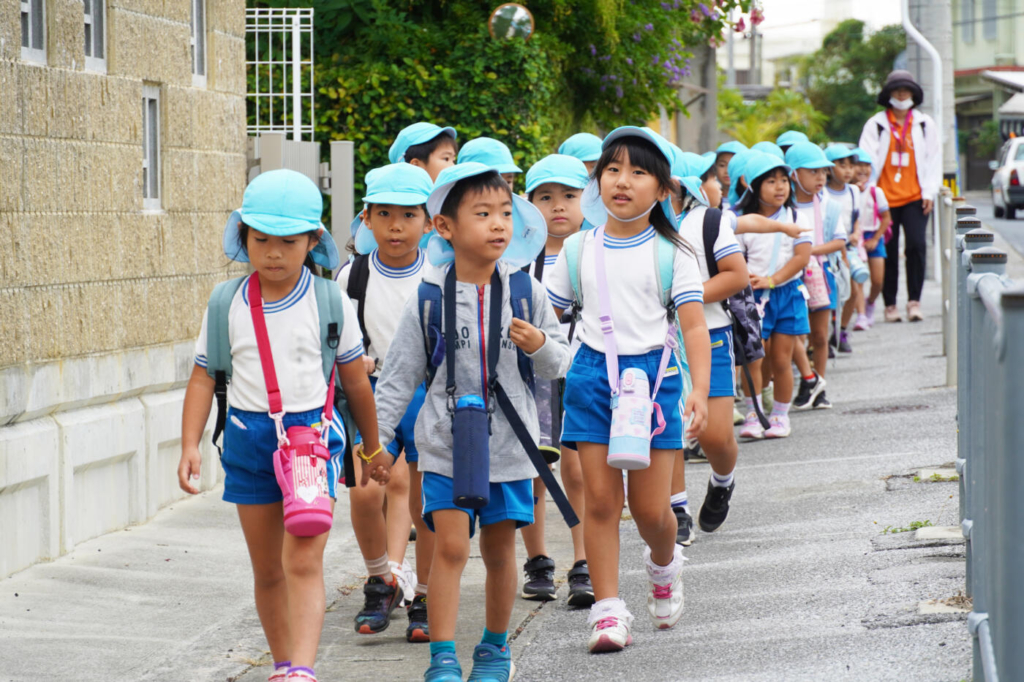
x=861 y=324
x=380 y=601
x=300 y=676
x=685 y=535
x=822 y=403
x=581 y=592
x=844 y=343
x=914 y=311
x=831 y=352
x=418 y=630
x=444 y=667
x=768 y=397
x=402 y=572
x=540 y=578
x=737 y=417
x=693 y=453
x=779 y=426
x=832 y=341
x=492 y=664
x=412 y=534
x=610 y=628
x=809 y=390
x=665 y=600
x=892 y=314
x=279 y=675
x=752 y=427
x=715 y=508
x=869 y=314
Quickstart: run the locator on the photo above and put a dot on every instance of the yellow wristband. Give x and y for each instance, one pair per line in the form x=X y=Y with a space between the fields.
x=363 y=456
x=771 y=284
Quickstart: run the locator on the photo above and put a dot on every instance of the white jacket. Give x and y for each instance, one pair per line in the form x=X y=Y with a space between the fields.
x=875 y=137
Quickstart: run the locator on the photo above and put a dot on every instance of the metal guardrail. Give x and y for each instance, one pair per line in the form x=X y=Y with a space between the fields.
x=987 y=311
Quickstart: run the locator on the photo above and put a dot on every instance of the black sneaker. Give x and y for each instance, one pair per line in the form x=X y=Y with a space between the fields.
x=694 y=454
x=540 y=578
x=685 y=535
x=380 y=600
x=822 y=403
x=412 y=534
x=844 y=343
x=418 y=630
x=715 y=508
x=581 y=592
x=831 y=352
x=809 y=391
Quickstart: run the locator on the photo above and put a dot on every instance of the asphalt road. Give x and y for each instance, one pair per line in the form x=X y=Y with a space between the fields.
x=1011 y=230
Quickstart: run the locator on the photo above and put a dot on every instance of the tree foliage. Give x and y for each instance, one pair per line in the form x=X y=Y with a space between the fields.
x=844 y=76
x=752 y=122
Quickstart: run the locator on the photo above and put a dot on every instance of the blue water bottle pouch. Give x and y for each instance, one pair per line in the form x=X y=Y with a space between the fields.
x=471 y=454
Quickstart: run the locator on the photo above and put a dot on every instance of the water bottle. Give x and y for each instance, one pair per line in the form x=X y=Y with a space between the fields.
x=471 y=453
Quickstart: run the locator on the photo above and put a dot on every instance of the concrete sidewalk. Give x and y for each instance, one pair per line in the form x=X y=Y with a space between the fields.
x=800 y=584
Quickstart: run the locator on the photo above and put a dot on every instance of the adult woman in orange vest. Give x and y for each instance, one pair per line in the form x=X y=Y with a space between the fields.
x=904 y=145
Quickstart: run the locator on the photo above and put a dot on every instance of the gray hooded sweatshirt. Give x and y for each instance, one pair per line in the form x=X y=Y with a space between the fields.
x=405 y=368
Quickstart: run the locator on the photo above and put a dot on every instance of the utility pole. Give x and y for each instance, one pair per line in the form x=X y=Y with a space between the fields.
x=730 y=72
x=934 y=19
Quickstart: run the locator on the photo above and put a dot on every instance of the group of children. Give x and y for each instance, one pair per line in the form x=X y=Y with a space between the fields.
x=624 y=257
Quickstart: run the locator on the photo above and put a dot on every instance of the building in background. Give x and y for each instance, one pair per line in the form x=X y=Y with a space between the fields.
x=122 y=151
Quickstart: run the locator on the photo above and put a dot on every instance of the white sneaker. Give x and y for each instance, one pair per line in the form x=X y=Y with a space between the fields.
x=665 y=600
x=610 y=627
x=779 y=426
x=279 y=675
x=752 y=427
x=405 y=577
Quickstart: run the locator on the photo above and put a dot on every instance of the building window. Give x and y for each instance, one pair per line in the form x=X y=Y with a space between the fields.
x=198 y=42
x=150 y=147
x=33 y=31
x=989 y=22
x=95 y=36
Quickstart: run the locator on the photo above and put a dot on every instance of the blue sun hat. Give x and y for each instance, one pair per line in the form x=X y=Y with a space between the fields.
x=767 y=147
x=687 y=170
x=558 y=168
x=834 y=152
x=491 y=153
x=790 y=138
x=529 y=229
x=417 y=133
x=281 y=203
x=400 y=184
x=762 y=164
x=584 y=146
x=806 y=155
x=730 y=147
x=698 y=164
x=737 y=169
x=863 y=156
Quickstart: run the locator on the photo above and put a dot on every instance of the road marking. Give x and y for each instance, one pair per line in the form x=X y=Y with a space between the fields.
x=825 y=461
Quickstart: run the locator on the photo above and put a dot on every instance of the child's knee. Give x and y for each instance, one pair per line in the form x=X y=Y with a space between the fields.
x=304 y=561
x=268 y=577
x=451 y=550
x=654 y=518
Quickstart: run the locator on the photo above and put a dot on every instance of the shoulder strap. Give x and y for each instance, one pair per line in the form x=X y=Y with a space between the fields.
x=712 y=227
x=853 y=206
x=357 y=280
x=538 y=267
x=664 y=259
x=332 y=319
x=218 y=348
x=573 y=248
x=429 y=299
x=874 y=199
x=520 y=289
x=881 y=128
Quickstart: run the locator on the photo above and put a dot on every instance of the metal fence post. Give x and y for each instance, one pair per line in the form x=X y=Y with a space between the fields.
x=944 y=208
x=342 y=191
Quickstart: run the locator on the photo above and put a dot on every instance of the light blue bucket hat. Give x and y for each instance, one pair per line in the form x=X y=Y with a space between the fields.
x=730 y=147
x=558 y=168
x=806 y=155
x=417 y=133
x=529 y=230
x=834 y=152
x=399 y=184
x=790 y=138
x=491 y=153
x=737 y=169
x=767 y=147
x=584 y=146
x=762 y=164
x=863 y=156
x=281 y=203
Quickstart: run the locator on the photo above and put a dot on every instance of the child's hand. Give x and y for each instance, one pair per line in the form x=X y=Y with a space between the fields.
x=526 y=336
x=757 y=282
x=855 y=238
x=872 y=244
x=369 y=363
x=378 y=468
x=792 y=230
x=697 y=407
x=188 y=470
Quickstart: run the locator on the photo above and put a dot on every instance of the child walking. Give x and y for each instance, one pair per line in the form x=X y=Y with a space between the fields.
x=840 y=189
x=493 y=154
x=426 y=145
x=624 y=317
x=876 y=219
x=278 y=231
x=379 y=282
x=477 y=222
x=584 y=146
x=775 y=262
x=554 y=185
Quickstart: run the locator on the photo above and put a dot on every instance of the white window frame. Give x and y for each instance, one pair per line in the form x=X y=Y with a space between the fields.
x=198 y=46
x=34 y=54
x=151 y=157
x=98 y=64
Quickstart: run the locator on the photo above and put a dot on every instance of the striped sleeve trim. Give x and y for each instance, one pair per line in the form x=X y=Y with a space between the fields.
x=558 y=301
x=688 y=297
x=727 y=251
x=201 y=361
x=804 y=239
x=351 y=355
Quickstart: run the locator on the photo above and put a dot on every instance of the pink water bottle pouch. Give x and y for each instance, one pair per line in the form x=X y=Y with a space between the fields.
x=300 y=467
x=629 y=443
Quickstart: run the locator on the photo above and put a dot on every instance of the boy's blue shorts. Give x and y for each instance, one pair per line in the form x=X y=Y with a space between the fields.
x=723 y=364
x=405 y=434
x=833 y=291
x=879 y=250
x=786 y=312
x=587 y=400
x=250 y=440
x=512 y=500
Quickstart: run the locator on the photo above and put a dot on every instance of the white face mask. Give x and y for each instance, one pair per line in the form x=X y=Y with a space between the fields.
x=636 y=217
x=901 y=104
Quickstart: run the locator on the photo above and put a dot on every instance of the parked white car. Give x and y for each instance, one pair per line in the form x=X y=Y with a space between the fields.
x=1008 y=180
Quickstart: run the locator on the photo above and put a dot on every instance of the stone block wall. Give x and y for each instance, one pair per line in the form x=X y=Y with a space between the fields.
x=100 y=300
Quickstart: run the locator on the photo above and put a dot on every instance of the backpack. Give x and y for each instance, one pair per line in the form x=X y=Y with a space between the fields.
x=356 y=290
x=218 y=351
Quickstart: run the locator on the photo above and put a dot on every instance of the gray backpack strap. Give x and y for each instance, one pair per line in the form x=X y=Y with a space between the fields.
x=332 y=319
x=218 y=348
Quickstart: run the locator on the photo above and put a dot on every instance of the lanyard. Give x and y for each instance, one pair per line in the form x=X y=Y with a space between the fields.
x=901 y=137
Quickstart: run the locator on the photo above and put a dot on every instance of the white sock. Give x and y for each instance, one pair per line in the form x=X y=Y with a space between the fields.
x=421 y=589
x=680 y=500
x=780 y=408
x=719 y=481
x=379 y=568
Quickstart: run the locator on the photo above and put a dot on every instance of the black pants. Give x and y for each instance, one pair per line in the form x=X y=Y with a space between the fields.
x=915 y=225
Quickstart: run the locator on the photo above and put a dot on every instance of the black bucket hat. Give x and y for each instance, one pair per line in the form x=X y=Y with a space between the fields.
x=900 y=79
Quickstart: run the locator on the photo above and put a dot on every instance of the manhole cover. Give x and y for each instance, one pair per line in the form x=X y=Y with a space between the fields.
x=888 y=409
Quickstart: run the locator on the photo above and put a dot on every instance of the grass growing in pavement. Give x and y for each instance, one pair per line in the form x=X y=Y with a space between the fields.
x=914 y=525
x=938 y=478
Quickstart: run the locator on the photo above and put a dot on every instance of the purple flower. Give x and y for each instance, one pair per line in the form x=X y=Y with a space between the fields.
x=603 y=87
x=605 y=58
x=593 y=51
x=634 y=81
x=665 y=6
x=694 y=16
x=667 y=64
x=648 y=27
x=629 y=60
x=636 y=37
x=704 y=9
x=656 y=60
x=618 y=91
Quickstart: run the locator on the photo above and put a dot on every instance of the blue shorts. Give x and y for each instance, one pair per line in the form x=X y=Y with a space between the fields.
x=512 y=500
x=405 y=434
x=786 y=312
x=833 y=291
x=250 y=441
x=587 y=400
x=723 y=364
x=879 y=250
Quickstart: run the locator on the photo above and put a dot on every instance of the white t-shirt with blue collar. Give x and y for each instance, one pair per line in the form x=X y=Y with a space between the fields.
x=849 y=198
x=807 y=210
x=759 y=247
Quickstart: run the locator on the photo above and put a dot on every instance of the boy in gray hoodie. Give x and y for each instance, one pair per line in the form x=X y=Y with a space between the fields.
x=475 y=217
